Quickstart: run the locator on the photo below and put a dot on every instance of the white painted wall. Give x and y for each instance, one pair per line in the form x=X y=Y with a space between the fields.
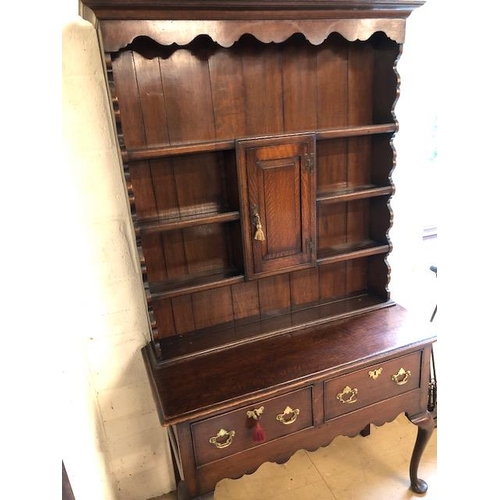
x=112 y=444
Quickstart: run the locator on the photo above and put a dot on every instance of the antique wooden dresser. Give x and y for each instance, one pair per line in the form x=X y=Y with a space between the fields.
x=256 y=140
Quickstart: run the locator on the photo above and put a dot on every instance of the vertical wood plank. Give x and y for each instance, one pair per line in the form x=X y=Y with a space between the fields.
x=332 y=281
x=331 y=164
x=154 y=257
x=359 y=161
x=165 y=195
x=358 y=221
x=274 y=294
x=152 y=101
x=226 y=78
x=164 y=318
x=360 y=94
x=304 y=287
x=182 y=309
x=356 y=276
x=245 y=300
x=142 y=186
x=332 y=81
x=212 y=307
x=205 y=249
x=188 y=98
x=124 y=75
x=299 y=85
x=174 y=254
x=263 y=89
x=200 y=183
x=331 y=225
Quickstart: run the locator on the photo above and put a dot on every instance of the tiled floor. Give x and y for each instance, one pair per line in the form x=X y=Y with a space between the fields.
x=360 y=468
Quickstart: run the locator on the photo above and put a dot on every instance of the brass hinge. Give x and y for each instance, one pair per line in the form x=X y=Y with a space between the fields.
x=309 y=162
x=310 y=245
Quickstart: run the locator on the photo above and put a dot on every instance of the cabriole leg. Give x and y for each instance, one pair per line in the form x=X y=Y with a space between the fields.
x=425 y=424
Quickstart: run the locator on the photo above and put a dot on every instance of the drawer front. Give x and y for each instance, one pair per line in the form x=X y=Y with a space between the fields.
x=218 y=437
x=372 y=384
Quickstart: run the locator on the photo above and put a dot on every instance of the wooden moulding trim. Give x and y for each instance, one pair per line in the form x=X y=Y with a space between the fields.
x=118 y=34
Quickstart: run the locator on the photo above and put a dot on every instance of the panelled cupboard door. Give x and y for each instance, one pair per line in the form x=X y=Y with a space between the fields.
x=278 y=210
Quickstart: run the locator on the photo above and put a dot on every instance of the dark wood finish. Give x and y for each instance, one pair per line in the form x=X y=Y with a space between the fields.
x=256 y=139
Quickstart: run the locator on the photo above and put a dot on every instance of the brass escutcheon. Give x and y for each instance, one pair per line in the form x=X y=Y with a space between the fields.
x=255 y=414
x=288 y=416
x=375 y=374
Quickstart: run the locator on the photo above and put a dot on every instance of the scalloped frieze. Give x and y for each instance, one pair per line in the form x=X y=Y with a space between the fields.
x=118 y=34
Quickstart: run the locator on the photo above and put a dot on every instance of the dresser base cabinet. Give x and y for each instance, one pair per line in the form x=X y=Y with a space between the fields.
x=305 y=389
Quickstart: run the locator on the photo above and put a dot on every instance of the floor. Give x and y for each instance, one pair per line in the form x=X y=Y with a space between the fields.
x=360 y=468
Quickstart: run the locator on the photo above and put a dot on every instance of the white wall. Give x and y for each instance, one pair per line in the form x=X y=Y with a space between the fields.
x=113 y=446
x=416 y=174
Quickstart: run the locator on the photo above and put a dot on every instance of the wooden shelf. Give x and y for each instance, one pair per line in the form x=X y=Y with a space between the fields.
x=354 y=193
x=190 y=284
x=182 y=222
x=210 y=340
x=333 y=133
x=229 y=144
x=348 y=251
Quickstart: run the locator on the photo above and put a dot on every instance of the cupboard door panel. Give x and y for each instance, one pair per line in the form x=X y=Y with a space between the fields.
x=277 y=182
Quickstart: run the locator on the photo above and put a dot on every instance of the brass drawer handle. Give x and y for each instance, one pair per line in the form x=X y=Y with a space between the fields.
x=402 y=376
x=223 y=439
x=288 y=416
x=348 y=395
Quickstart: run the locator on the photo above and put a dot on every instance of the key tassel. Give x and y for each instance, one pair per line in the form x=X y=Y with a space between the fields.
x=258 y=433
x=259 y=233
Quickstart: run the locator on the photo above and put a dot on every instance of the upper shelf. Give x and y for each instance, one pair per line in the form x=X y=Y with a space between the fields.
x=152 y=153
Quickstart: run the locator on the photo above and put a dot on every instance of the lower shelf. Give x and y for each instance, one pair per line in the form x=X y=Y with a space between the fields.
x=201 y=342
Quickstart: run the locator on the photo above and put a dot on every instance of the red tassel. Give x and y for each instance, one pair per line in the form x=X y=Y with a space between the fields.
x=258 y=433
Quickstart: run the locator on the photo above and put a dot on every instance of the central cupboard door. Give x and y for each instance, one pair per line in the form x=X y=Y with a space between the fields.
x=278 y=210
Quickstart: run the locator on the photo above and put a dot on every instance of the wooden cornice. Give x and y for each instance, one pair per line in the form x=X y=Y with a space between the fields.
x=247 y=9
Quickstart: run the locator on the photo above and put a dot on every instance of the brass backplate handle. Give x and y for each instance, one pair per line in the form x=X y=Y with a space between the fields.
x=223 y=438
x=288 y=416
x=402 y=376
x=348 y=395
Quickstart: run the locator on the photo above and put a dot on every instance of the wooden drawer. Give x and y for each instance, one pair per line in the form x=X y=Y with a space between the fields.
x=224 y=435
x=372 y=384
